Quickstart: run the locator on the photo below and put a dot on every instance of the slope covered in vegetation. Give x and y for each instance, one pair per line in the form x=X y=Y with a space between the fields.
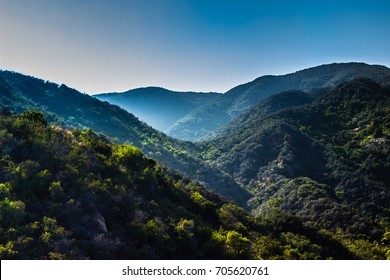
x=211 y=116
x=71 y=109
x=74 y=195
x=313 y=164
x=326 y=162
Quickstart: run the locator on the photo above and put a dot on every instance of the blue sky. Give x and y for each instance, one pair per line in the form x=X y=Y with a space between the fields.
x=214 y=45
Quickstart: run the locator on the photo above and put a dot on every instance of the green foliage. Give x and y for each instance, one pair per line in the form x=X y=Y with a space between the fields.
x=7 y=251
x=129 y=156
x=315 y=166
x=82 y=197
x=237 y=245
x=11 y=212
x=68 y=108
x=34 y=117
x=325 y=162
x=234 y=243
x=185 y=228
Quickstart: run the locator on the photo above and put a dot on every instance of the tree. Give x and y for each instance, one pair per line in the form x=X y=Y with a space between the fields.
x=129 y=156
x=34 y=117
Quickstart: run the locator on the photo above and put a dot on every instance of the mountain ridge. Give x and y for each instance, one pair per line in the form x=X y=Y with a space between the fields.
x=325 y=161
x=72 y=109
x=170 y=105
x=314 y=159
x=196 y=122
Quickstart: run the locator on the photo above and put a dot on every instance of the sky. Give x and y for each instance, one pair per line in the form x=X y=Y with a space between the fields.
x=100 y=46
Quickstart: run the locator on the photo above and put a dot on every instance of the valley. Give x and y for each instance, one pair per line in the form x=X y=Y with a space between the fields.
x=305 y=156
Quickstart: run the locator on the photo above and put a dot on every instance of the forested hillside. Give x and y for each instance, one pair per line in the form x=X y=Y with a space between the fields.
x=312 y=166
x=211 y=116
x=73 y=195
x=71 y=109
x=326 y=162
x=269 y=105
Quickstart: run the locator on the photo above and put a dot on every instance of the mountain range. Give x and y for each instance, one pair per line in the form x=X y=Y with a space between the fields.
x=194 y=115
x=306 y=153
x=71 y=109
x=74 y=195
x=323 y=156
x=159 y=107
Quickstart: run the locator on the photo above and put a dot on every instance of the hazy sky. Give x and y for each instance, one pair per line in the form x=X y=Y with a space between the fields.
x=114 y=45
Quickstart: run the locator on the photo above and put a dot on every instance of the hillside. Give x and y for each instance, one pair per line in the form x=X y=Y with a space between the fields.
x=159 y=107
x=205 y=119
x=193 y=116
x=311 y=164
x=329 y=75
x=269 y=105
x=69 y=108
x=325 y=161
x=73 y=195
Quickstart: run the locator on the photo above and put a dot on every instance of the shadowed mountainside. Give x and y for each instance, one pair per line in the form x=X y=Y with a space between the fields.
x=321 y=156
x=159 y=107
x=189 y=119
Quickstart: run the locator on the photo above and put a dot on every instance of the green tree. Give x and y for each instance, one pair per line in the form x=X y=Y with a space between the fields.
x=34 y=117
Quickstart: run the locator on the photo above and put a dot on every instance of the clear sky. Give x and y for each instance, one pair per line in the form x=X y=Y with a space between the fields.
x=201 y=45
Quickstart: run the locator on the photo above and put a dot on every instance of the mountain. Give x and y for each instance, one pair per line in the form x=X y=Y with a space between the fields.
x=200 y=122
x=69 y=108
x=74 y=195
x=159 y=107
x=268 y=106
x=192 y=116
x=244 y=96
x=322 y=156
x=312 y=164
